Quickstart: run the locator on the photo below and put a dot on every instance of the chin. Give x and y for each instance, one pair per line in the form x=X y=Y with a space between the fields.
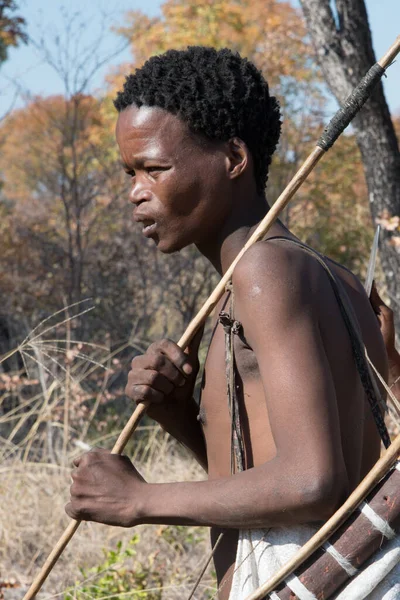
x=171 y=246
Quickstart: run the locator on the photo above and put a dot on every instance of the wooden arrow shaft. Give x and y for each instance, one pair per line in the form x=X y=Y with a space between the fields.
x=73 y=526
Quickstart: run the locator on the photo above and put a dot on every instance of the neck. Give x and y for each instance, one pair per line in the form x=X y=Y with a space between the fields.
x=222 y=248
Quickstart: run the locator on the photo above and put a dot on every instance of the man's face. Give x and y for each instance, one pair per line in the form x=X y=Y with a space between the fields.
x=180 y=186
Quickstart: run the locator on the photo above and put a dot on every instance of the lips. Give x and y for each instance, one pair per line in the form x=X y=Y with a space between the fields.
x=149 y=227
x=149 y=224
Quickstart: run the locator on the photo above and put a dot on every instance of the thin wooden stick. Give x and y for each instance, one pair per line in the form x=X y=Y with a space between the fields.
x=391 y=54
x=362 y=490
x=73 y=526
x=204 y=312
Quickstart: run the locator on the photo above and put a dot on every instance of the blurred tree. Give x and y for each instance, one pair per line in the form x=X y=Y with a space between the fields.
x=269 y=32
x=67 y=231
x=11 y=28
x=56 y=176
x=343 y=45
x=330 y=211
x=12 y=33
x=59 y=175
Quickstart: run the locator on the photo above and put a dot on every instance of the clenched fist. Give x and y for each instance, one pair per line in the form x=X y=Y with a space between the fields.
x=107 y=489
x=164 y=374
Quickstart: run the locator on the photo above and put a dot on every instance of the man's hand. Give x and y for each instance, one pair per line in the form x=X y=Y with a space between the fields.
x=165 y=376
x=386 y=322
x=165 y=373
x=107 y=489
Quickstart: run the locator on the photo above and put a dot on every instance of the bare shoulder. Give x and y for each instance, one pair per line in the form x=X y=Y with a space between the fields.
x=277 y=273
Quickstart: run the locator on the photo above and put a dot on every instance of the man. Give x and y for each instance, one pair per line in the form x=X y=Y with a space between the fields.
x=196 y=132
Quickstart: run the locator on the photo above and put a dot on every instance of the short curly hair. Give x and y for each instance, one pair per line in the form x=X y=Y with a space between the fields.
x=217 y=93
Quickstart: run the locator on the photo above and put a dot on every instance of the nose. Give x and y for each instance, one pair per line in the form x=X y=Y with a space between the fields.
x=138 y=192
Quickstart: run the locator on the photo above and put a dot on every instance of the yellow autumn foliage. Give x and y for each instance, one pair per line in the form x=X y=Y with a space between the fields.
x=268 y=32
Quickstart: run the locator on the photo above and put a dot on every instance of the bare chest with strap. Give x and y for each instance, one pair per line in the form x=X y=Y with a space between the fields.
x=233 y=327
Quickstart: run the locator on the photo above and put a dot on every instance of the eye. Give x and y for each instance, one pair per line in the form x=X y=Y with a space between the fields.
x=131 y=173
x=154 y=169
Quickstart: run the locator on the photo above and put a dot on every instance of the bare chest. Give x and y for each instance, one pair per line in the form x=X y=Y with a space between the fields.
x=214 y=409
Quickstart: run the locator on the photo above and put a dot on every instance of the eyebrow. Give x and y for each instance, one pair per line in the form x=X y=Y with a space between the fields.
x=140 y=160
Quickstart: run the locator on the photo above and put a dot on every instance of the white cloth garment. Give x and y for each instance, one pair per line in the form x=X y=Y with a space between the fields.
x=261 y=553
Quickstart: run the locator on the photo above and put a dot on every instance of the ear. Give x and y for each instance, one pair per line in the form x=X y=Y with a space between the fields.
x=237 y=157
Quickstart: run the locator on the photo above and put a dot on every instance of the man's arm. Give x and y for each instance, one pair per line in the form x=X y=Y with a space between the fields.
x=165 y=376
x=307 y=480
x=179 y=418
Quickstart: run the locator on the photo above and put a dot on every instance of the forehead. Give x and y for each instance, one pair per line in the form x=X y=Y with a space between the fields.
x=151 y=129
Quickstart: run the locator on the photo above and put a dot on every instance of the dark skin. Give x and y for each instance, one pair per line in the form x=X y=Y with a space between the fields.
x=386 y=322
x=309 y=435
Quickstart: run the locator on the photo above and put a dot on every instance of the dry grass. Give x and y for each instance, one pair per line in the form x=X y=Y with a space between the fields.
x=39 y=437
x=32 y=518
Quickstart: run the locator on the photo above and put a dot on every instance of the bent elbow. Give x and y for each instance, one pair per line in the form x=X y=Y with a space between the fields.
x=324 y=494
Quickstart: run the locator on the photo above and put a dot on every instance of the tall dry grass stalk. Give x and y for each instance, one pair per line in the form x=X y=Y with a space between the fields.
x=41 y=431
